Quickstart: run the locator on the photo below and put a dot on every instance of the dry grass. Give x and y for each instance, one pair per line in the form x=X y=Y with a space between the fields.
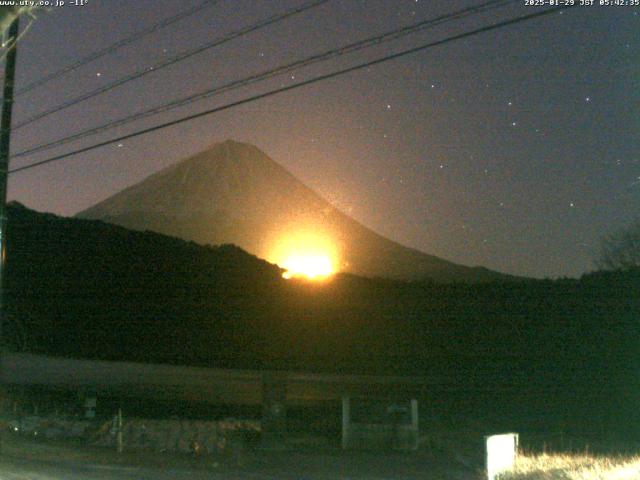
x=574 y=467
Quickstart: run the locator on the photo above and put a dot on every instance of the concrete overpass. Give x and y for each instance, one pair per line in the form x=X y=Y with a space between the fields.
x=274 y=391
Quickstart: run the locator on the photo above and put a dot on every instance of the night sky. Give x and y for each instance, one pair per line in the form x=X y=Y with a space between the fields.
x=516 y=149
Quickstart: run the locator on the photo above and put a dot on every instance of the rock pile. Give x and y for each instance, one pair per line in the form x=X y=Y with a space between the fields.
x=172 y=435
x=50 y=426
x=188 y=436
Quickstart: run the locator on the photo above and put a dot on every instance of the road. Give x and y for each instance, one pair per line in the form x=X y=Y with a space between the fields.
x=13 y=468
x=25 y=458
x=17 y=469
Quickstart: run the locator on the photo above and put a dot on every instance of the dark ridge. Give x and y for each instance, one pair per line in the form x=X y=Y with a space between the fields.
x=558 y=351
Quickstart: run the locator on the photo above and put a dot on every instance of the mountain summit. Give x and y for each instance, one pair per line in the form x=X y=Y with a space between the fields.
x=234 y=193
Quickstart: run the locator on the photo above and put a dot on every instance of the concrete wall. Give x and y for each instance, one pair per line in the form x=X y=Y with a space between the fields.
x=382 y=429
x=386 y=437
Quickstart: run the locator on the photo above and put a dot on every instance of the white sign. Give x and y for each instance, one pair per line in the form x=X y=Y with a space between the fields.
x=501 y=454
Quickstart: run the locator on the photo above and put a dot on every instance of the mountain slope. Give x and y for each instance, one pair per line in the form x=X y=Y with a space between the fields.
x=514 y=352
x=234 y=193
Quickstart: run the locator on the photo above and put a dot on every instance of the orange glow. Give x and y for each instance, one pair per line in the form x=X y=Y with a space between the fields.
x=305 y=254
x=309 y=266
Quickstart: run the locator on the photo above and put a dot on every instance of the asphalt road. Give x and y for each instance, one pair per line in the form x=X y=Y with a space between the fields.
x=17 y=469
x=13 y=468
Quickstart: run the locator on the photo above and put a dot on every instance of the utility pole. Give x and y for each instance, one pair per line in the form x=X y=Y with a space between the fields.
x=5 y=143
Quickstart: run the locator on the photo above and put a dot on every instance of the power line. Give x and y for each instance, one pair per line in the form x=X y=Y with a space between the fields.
x=279 y=70
x=117 y=45
x=295 y=86
x=173 y=60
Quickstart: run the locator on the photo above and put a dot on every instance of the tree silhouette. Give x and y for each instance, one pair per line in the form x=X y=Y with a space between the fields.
x=621 y=250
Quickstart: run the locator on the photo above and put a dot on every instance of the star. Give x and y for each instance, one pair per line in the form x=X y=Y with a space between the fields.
x=388 y=107
x=513 y=124
x=587 y=99
x=571 y=204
